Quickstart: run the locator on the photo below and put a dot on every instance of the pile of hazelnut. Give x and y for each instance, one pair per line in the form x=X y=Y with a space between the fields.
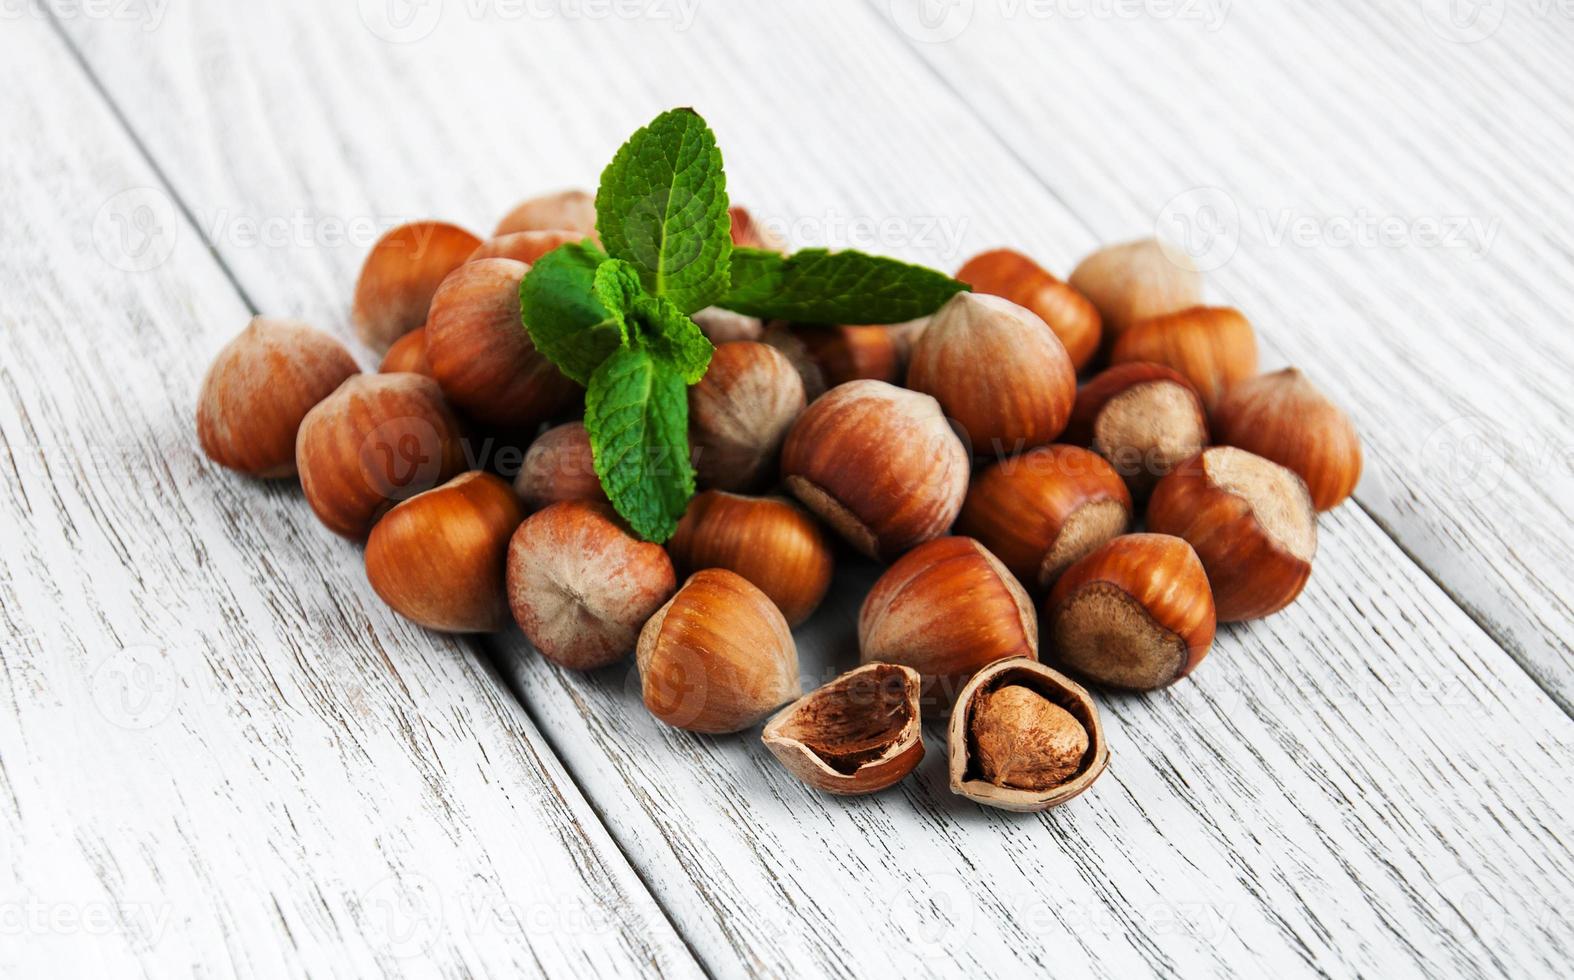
x=958 y=449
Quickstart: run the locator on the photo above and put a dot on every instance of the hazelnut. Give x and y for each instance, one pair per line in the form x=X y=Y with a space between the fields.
x=1010 y=274
x=401 y=273
x=1144 y=418
x=525 y=246
x=858 y=734
x=1135 y=614
x=1213 y=346
x=827 y=355
x=407 y=354
x=559 y=466
x=997 y=370
x=717 y=657
x=724 y=326
x=1024 y=738
x=770 y=541
x=739 y=414
x=570 y=210
x=581 y=585
x=260 y=387
x=481 y=354
x=945 y=609
x=879 y=464
x=749 y=233
x=1283 y=417
x=438 y=557
x=1136 y=280
x=1252 y=523
x=377 y=440
x=1045 y=509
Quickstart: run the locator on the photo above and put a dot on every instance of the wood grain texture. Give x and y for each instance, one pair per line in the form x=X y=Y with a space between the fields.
x=219 y=754
x=1366 y=784
x=1370 y=185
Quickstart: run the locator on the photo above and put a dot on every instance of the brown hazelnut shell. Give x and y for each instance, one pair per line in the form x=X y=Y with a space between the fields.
x=997 y=370
x=1283 y=417
x=749 y=233
x=1257 y=545
x=1073 y=317
x=400 y=276
x=859 y=734
x=968 y=781
x=740 y=413
x=827 y=355
x=1144 y=418
x=1213 y=346
x=568 y=210
x=946 y=608
x=407 y=355
x=581 y=586
x=438 y=557
x=481 y=354
x=771 y=541
x=879 y=464
x=377 y=440
x=1045 y=509
x=260 y=388
x=1136 y=280
x=718 y=657
x=559 y=465
x=525 y=246
x=1150 y=602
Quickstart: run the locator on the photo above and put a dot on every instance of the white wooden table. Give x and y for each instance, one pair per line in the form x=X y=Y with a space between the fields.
x=221 y=756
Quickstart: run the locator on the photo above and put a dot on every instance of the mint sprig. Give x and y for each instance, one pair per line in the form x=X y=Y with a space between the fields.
x=615 y=318
x=820 y=286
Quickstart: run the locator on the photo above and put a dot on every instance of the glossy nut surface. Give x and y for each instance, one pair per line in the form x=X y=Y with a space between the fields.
x=771 y=541
x=567 y=210
x=945 y=609
x=1136 y=614
x=718 y=657
x=259 y=389
x=828 y=355
x=581 y=585
x=1144 y=418
x=400 y=276
x=407 y=355
x=1283 y=417
x=481 y=354
x=559 y=466
x=1041 y=511
x=1010 y=274
x=438 y=557
x=879 y=464
x=1251 y=522
x=1214 y=347
x=740 y=413
x=998 y=371
x=525 y=246
x=859 y=734
x=969 y=777
x=377 y=440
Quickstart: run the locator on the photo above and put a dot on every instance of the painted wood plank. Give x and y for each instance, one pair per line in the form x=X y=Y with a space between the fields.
x=219 y=754
x=1366 y=783
x=1371 y=184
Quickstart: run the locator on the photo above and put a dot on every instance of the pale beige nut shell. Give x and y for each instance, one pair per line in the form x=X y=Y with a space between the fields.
x=894 y=762
x=1053 y=685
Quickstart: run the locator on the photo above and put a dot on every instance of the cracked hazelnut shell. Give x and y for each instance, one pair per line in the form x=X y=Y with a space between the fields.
x=1024 y=737
x=859 y=734
x=1251 y=522
x=1136 y=614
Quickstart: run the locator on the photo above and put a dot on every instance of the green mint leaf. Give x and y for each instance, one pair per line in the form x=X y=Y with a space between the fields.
x=655 y=321
x=568 y=321
x=637 y=414
x=662 y=207
x=820 y=286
